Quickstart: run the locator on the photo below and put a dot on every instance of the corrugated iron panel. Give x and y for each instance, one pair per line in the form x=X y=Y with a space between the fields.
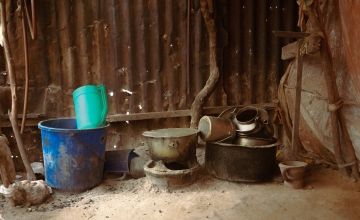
x=141 y=46
x=252 y=66
x=351 y=33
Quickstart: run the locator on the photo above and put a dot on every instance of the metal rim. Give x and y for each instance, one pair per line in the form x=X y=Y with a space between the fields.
x=221 y=144
x=167 y=133
x=293 y=164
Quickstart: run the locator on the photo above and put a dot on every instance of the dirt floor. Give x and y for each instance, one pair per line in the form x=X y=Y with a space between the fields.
x=327 y=196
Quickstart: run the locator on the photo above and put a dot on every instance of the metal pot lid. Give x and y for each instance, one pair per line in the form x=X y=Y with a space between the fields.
x=170 y=133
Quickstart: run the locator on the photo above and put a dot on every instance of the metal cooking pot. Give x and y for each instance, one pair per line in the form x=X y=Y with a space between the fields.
x=172 y=144
x=235 y=160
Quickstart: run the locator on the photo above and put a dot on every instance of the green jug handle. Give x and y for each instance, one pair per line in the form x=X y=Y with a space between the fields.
x=104 y=101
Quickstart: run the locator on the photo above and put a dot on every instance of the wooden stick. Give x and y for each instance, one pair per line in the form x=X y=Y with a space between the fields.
x=32 y=20
x=12 y=79
x=29 y=171
x=26 y=56
x=296 y=124
x=196 y=107
x=290 y=34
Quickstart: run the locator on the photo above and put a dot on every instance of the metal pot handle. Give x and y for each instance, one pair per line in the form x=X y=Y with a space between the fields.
x=173 y=144
x=228 y=137
x=234 y=109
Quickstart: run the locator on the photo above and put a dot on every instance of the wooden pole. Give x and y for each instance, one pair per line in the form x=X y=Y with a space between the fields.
x=296 y=124
x=196 y=107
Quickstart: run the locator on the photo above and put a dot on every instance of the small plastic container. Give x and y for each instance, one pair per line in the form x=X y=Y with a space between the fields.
x=91 y=106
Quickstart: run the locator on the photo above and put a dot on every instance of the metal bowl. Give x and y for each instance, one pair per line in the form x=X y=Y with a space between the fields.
x=172 y=144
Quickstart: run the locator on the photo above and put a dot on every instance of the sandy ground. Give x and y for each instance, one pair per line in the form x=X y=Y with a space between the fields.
x=327 y=196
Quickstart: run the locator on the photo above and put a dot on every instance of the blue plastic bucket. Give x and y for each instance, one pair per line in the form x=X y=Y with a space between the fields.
x=73 y=158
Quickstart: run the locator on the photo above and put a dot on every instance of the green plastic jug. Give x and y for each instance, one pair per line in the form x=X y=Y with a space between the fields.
x=91 y=107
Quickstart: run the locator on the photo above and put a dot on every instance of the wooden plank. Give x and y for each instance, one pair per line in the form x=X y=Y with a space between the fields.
x=30 y=115
x=148 y=115
x=176 y=113
x=34 y=119
x=30 y=122
x=290 y=34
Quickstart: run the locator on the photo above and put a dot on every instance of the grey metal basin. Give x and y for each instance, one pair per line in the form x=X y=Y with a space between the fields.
x=171 y=144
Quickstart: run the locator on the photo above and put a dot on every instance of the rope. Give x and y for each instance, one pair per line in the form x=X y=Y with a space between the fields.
x=344 y=165
x=335 y=106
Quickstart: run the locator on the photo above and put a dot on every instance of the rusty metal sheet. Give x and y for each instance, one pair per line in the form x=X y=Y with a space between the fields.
x=351 y=33
x=138 y=49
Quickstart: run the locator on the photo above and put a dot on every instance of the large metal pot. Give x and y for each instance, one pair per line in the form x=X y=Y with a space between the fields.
x=172 y=144
x=233 y=161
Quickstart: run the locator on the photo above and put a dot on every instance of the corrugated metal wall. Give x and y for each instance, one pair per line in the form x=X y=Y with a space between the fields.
x=252 y=56
x=141 y=46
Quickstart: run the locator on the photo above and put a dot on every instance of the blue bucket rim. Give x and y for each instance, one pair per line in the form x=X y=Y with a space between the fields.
x=42 y=127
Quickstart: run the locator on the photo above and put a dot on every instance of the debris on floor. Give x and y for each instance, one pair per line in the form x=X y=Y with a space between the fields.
x=332 y=196
x=27 y=193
